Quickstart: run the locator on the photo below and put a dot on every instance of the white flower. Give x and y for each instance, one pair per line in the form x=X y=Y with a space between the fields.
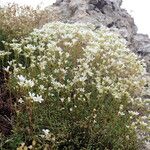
x=24 y=82
x=121 y=107
x=69 y=99
x=121 y=113
x=3 y=53
x=7 y=68
x=47 y=135
x=42 y=87
x=29 y=83
x=71 y=109
x=133 y=113
x=37 y=98
x=21 y=100
x=62 y=100
x=46 y=131
x=143 y=123
x=144 y=117
x=21 y=78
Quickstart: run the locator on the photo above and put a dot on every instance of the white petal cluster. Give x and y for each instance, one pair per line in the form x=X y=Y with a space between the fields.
x=23 y=82
x=36 y=98
x=3 y=53
x=47 y=135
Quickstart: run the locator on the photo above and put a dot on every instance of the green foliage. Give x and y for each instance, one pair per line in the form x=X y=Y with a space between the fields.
x=79 y=90
x=17 y=22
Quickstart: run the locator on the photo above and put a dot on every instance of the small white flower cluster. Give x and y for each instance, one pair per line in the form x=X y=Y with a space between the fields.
x=35 y=98
x=4 y=53
x=23 y=82
x=47 y=135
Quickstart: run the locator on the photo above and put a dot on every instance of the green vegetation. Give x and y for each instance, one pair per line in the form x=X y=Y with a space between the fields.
x=17 y=22
x=75 y=88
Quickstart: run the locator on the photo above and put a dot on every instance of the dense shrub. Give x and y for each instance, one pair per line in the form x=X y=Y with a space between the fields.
x=17 y=22
x=80 y=89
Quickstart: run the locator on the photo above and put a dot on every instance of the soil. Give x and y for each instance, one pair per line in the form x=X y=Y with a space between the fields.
x=7 y=100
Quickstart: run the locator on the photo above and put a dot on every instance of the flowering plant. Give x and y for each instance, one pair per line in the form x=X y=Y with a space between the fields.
x=80 y=85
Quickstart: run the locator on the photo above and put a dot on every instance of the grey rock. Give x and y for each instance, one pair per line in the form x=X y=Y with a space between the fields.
x=141 y=43
x=106 y=12
x=141 y=46
x=117 y=2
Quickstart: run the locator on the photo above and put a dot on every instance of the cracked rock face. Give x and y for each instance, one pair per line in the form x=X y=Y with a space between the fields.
x=107 y=13
x=141 y=45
